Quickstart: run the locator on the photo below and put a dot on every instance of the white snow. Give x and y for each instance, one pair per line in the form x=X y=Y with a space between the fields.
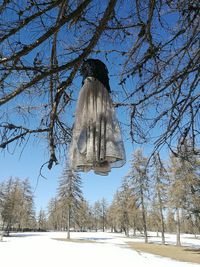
x=110 y=249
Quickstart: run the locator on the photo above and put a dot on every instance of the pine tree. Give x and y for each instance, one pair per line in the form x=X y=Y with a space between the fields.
x=161 y=182
x=55 y=215
x=70 y=194
x=104 y=206
x=17 y=204
x=124 y=212
x=126 y=204
x=113 y=214
x=26 y=206
x=1 y=205
x=153 y=217
x=118 y=213
x=97 y=215
x=190 y=164
x=83 y=219
x=7 y=205
x=185 y=185
x=140 y=184
x=124 y=201
x=177 y=192
x=42 y=220
x=170 y=221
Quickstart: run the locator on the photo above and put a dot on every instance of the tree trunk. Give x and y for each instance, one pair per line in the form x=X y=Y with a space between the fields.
x=144 y=225
x=134 y=227
x=161 y=209
x=127 y=231
x=68 y=222
x=8 y=228
x=103 y=217
x=134 y=231
x=144 y=217
x=178 y=228
x=162 y=229
x=96 y=225
x=162 y=219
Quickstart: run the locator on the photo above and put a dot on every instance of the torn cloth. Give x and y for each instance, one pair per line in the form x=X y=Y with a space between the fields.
x=96 y=141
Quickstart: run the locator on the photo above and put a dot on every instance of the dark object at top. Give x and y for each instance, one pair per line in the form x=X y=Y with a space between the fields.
x=97 y=69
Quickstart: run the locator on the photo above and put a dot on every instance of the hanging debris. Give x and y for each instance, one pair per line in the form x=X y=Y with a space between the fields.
x=96 y=142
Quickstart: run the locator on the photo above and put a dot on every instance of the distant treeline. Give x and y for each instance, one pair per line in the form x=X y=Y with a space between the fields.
x=153 y=196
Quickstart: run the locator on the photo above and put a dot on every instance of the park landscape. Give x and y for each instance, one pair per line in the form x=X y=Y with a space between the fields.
x=147 y=212
x=95 y=248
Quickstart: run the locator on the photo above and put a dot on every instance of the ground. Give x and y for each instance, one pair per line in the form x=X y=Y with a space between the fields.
x=86 y=249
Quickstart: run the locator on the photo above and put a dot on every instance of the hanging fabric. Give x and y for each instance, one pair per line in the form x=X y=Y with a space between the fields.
x=96 y=140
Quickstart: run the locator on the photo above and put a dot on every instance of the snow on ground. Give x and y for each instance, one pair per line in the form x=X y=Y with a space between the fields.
x=186 y=239
x=109 y=250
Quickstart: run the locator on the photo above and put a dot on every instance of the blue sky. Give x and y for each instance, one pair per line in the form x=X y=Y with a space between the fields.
x=23 y=163
x=35 y=154
x=28 y=165
x=29 y=162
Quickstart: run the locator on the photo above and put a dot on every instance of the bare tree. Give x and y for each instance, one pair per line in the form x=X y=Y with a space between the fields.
x=151 y=46
x=37 y=71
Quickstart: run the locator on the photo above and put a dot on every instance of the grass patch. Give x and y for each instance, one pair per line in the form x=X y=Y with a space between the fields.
x=187 y=254
x=74 y=240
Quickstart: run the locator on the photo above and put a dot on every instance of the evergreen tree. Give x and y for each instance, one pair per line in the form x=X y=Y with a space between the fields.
x=170 y=221
x=124 y=211
x=190 y=165
x=140 y=184
x=177 y=192
x=161 y=183
x=26 y=206
x=154 y=219
x=185 y=184
x=97 y=214
x=17 y=204
x=103 y=206
x=83 y=218
x=42 y=220
x=70 y=195
x=125 y=193
x=126 y=205
x=54 y=217
x=113 y=215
